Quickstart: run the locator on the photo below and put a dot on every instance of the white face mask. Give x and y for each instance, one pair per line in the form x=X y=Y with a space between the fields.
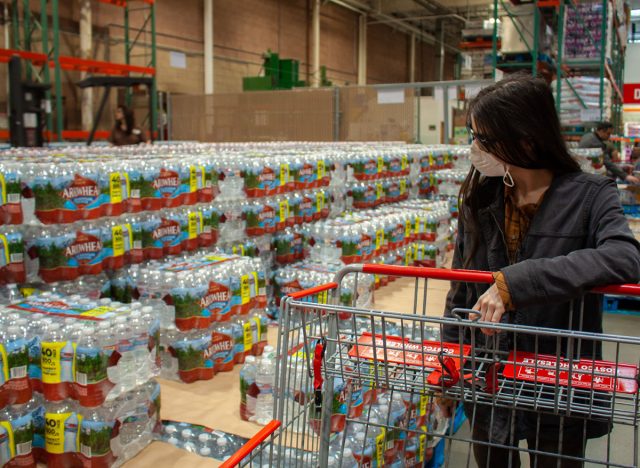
x=488 y=165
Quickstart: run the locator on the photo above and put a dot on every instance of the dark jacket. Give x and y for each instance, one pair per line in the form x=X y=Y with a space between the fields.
x=578 y=239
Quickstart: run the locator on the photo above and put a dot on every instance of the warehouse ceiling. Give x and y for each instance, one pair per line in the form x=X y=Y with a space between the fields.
x=436 y=20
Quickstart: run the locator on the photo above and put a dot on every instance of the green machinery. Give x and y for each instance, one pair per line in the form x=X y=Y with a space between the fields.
x=554 y=13
x=279 y=74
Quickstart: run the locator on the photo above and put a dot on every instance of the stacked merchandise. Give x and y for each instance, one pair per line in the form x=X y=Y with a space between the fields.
x=406 y=233
x=581 y=94
x=580 y=100
x=211 y=310
x=477 y=63
x=581 y=17
x=81 y=220
x=84 y=213
x=76 y=382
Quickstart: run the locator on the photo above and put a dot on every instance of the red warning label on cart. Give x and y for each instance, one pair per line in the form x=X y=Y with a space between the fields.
x=397 y=350
x=585 y=373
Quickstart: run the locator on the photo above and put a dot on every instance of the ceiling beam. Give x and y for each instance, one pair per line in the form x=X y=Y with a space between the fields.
x=399 y=23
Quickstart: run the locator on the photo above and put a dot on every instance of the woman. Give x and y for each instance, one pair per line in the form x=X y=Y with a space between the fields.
x=124 y=131
x=551 y=233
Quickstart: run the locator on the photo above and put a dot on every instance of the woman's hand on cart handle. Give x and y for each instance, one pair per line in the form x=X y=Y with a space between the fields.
x=491 y=308
x=469 y=314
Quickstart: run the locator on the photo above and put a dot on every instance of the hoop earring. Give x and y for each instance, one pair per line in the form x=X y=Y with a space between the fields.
x=507 y=179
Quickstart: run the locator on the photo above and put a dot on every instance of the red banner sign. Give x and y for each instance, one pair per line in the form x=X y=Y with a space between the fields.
x=397 y=350
x=631 y=93
x=585 y=373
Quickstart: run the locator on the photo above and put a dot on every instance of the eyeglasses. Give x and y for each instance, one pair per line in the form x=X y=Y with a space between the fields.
x=482 y=139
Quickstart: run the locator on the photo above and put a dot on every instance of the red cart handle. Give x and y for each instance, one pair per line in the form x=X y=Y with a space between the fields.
x=469 y=276
x=247 y=448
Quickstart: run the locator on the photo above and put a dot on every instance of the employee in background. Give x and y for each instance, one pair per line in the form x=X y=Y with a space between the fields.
x=600 y=139
x=124 y=131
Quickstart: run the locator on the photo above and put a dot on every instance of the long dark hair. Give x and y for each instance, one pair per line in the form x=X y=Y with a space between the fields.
x=129 y=119
x=519 y=125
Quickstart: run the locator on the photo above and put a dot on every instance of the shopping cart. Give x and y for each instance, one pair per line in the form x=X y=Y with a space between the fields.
x=360 y=387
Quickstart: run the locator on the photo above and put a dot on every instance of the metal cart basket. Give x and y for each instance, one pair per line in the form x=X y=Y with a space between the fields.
x=363 y=387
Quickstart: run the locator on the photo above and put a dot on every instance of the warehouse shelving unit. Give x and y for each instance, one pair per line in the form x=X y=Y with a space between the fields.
x=604 y=67
x=36 y=40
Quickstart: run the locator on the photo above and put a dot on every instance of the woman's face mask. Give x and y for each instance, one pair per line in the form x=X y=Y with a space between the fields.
x=488 y=165
x=485 y=163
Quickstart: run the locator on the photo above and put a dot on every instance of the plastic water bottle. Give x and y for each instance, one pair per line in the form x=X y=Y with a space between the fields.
x=109 y=344
x=127 y=363
x=221 y=449
x=346 y=460
x=140 y=347
x=204 y=444
x=265 y=375
x=249 y=389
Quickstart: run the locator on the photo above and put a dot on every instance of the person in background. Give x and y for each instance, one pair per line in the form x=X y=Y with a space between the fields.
x=550 y=233
x=124 y=131
x=600 y=139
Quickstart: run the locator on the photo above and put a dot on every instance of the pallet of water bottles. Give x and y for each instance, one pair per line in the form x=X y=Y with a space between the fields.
x=66 y=185
x=76 y=384
x=211 y=310
x=71 y=347
x=63 y=434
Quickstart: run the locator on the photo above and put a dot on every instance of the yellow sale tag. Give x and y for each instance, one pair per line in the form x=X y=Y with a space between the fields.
x=323 y=297
x=403 y=186
x=321 y=169
x=245 y=291
x=193 y=179
x=407 y=229
x=320 y=201
x=380 y=164
x=5 y=364
x=54 y=434
x=405 y=162
x=51 y=361
x=248 y=336
x=430 y=159
x=418 y=222
x=118 y=241
x=97 y=311
x=379 y=239
x=194 y=223
x=380 y=446
x=379 y=191
x=284 y=174
x=424 y=401
x=284 y=211
x=409 y=257
x=3 y=190
x=422 y=447
x=115 y=187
